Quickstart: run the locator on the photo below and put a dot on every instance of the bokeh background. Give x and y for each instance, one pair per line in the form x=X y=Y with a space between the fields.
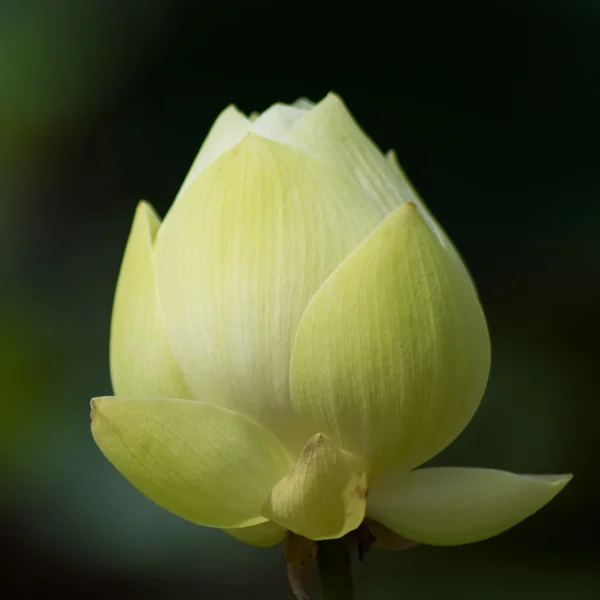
x=492 y=108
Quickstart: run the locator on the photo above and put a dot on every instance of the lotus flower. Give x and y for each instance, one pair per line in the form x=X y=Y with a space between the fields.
x=296 y=338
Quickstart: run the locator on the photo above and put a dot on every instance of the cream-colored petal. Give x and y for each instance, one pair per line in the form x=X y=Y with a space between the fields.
x=262 y=535
x=228 y=130
x=141 y=361
x=204 y=463
x=324 y=496
x=329 y=132
x=392 y=354
x=238 y=259
x=232 y=125
x=450 y=506
x=303 y=103
x=276 y=122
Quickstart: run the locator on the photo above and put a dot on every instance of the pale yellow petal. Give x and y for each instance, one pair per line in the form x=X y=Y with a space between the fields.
x=392 y=355
x=262 y=535
x=141 y=360
x=303 y=103
x=329 y=132
x=204 y=463
x=238 y=259
x=324 y=496
x=450 y=506
x=276 y=122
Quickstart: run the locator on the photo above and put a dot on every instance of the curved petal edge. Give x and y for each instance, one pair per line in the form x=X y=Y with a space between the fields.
x=447 y=506
x=392 y=354
x=204 y=463
x=262 y=535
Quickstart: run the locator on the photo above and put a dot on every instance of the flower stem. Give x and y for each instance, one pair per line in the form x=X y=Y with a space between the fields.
x=335 y=570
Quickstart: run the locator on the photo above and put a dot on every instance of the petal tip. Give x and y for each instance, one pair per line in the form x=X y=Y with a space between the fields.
x=319 y=440
x=303 y=103
x=232 y=108
x=94 y=409
x=332 y=102
x=95 y=405
x=557 y=482
x=560 y=481
x=98 y=408
x=333 y=97
x=147 y=217
x=145 y=208
x=143 y=205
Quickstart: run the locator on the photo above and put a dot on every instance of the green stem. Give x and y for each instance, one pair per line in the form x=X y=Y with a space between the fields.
x=335 y=570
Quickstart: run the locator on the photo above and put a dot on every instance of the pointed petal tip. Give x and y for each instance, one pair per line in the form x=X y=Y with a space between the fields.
x=143 y=205
x=232 y=108
x=332 y=101
x=145 y=216
x=317 y=441
x=145 y=208
x=95 y=417
x=98 y=406
x=333 y=97
x=558 y=481
x=95 y=405
x=303 y=103
x=93 y=409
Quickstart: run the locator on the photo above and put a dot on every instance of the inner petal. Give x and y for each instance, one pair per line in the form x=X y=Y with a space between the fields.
x=324 y=496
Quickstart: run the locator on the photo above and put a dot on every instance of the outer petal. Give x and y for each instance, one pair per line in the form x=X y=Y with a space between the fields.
x=202 y=462
x=392 y=354
x=141 y=361
x=238 y=259
x=325 y=494
x=262 y=535
x=450 y=506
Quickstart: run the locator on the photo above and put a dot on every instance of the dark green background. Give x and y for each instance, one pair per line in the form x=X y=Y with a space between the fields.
x=492 y=108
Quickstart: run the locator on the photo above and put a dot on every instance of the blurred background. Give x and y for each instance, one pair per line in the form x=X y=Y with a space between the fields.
x=492 y=108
